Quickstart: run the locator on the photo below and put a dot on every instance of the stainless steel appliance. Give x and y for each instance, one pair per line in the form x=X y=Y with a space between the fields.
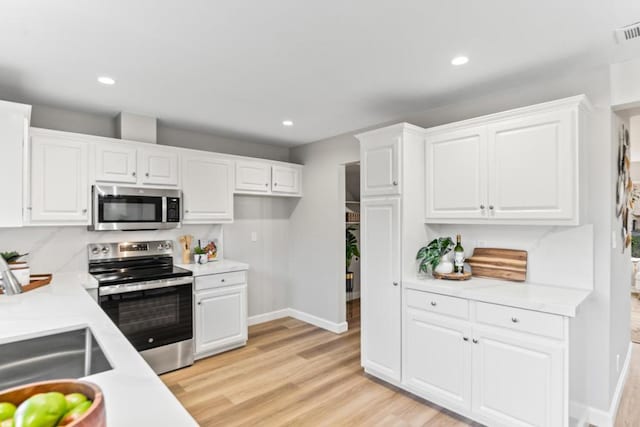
x=148 y=298
x=135 y=208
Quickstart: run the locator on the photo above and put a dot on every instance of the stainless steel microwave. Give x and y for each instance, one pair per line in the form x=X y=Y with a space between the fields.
x=135 y=208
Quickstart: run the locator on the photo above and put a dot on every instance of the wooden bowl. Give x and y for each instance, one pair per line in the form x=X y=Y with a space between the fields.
x=95 y=415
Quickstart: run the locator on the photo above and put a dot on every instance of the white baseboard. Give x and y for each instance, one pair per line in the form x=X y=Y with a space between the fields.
x=354 y=295
x=267 y=317
x=588 y=415
x=334 y=327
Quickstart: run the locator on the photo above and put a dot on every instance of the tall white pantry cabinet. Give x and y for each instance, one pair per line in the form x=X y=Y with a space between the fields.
x=502 y=364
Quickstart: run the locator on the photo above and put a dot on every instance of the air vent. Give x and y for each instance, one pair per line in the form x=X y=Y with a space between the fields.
x=628 y=33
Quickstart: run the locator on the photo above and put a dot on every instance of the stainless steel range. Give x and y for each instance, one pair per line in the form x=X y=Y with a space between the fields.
x=148 y=298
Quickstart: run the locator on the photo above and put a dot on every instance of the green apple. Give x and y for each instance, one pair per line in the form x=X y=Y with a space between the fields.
x=75 y=413
x=7 y=410
x=74 y=399
x=41 y=410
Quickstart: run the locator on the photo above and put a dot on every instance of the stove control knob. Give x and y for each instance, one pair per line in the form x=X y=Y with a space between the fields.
x=167 y=245
x=95 y=251
x=105 y=250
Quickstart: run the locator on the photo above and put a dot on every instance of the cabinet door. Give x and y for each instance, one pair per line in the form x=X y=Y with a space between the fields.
x=380 y=172
x=221 y=318
x=456 y=171
x=518 y=380
x=285 y=179
x=115 y=163
x=380 y=289
x=59 y=180
x=437 y=358
x=207 y=189
x=532 y=167
x=158 y=167
x=253 y=177
x=14 y=128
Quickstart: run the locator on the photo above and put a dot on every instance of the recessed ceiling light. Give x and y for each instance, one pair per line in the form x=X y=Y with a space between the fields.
x=106 y=80
x=459 y=60
x=287 y=123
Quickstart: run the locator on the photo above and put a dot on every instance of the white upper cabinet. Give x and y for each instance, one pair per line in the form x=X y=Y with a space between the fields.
x=59 y=180
x=517 y=167
x=381 y=297
x=532 y=170
x=207 y=188
x=380 y=157
x=14 y=127
x=116 y=163
x=456 y=174
x=253 y=177
x=158 y=166
x=267 y=178
x=285 y=179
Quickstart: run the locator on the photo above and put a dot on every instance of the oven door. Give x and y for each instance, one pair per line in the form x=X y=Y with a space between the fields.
x=151 y=314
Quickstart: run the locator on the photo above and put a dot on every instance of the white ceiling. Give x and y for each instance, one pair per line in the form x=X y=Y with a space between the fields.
x=239 y=67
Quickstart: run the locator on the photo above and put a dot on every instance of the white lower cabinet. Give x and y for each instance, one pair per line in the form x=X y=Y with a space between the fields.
x=500 y=372
x=220 y=314
x=437 y=362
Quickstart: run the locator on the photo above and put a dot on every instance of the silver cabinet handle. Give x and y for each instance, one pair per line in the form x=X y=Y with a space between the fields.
x=395 y=283
x=515 y=319
x=482 y=207
x=133 y=174
x=475 y=341
x=465 y=338
x=433 y=303
x=395 y=182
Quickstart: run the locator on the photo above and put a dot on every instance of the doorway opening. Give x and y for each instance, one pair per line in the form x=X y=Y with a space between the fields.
x=352 y=241
x=632 y=138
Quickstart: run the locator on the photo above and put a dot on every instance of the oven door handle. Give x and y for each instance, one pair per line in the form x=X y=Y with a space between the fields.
x=154 y=284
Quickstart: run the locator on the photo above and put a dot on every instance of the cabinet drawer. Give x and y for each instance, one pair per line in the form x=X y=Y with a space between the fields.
x=534 y=322
x=220 y=280
x=436 y=303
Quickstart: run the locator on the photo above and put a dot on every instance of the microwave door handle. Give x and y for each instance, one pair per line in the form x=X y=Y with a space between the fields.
x=164 y=209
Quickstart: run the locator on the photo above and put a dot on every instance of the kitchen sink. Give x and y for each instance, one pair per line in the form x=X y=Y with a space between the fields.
x=71 y=354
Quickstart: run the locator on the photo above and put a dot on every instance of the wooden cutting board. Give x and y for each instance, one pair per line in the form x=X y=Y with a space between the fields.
x=504 y=264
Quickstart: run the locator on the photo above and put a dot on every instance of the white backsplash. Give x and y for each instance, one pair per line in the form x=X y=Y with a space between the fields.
x=64 y=249
x=562 y=256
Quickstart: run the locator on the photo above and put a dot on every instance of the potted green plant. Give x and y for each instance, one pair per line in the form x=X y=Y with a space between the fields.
x=200 y=255
x=434 y=256
x=352 y=251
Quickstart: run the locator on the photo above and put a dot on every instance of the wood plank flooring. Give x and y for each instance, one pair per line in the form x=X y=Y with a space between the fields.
x=629 y=409
x=293 y=373
x=635 y=318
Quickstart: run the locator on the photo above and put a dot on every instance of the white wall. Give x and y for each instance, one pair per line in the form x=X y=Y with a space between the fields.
x=316 y=268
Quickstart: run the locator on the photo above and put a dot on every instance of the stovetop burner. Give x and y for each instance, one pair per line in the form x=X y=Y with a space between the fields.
x=129 y=262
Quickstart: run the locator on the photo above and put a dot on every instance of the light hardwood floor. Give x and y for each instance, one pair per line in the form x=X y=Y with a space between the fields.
x=293 y=373
x=635 y=318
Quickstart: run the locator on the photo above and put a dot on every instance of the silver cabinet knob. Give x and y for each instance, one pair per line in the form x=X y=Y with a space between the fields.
x=266 y=184
x=433 y=303
x=275 y=184
x=465 y=338
x=515 y=319
x=147 y=174
x=222 y=280
x=475 y=341
x=482 y=207
x=395 y=182
x=395 y=283
x=84 y=210
x=491 y=207
x=199 y=302
x=133 y=174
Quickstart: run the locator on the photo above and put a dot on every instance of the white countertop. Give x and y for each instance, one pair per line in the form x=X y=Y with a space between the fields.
x=134 y=394
x=215 y=267
x=545 y=298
